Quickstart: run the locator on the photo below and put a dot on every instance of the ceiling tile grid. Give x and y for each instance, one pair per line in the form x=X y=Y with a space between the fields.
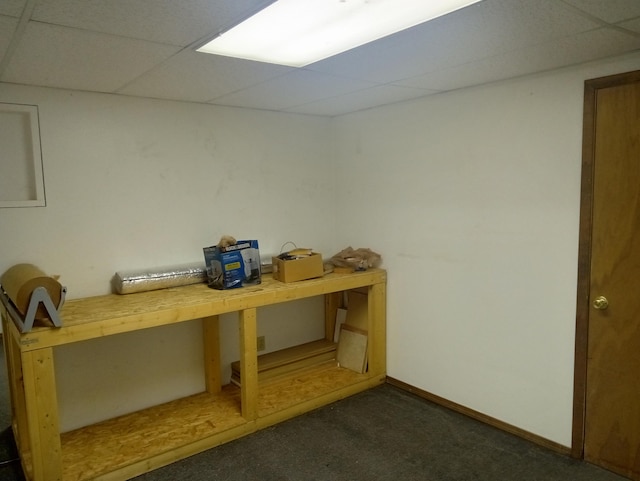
x=610 y=11
x=54 y=56
x=580 y=48
x=295 y=88
x=632 y=25
x=163 y=21
x=146 y=48
x=361 y=100
x=12 y=8
x=199 y=77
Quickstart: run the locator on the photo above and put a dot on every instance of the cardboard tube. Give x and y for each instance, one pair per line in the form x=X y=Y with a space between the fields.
x=21 y=280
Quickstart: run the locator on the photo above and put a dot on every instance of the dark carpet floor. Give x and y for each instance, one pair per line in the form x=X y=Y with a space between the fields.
x=383 y=434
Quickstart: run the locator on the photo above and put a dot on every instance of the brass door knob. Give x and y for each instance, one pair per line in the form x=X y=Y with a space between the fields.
x=601 y=303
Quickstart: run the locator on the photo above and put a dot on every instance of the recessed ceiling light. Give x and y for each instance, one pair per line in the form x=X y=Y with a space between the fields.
x=299 y=32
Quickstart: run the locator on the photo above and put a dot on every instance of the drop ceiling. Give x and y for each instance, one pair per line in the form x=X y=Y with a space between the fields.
x=145 y=48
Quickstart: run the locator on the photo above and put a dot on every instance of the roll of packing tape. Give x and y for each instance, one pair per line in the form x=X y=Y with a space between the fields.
x=21 y=280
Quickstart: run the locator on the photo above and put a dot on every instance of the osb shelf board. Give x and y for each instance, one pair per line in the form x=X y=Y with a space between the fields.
x=100 y=316
x=110 y=445
x=303 y=386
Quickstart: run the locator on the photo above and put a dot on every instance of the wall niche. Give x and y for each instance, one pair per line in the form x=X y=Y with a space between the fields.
x=21 y=174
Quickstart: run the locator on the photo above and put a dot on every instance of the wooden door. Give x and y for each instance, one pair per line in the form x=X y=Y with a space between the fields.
x=611 y=430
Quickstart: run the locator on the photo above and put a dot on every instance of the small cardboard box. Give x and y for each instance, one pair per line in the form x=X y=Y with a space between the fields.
x=298 y=269
x=233 y=266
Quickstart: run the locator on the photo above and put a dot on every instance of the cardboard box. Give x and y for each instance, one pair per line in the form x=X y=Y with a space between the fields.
x=233 y=266
x=292 y=270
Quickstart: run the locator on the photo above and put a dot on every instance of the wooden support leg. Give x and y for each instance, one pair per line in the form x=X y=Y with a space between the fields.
x=16 y=386
x=42 y=414
x=249 y=364
x=11 y=362
x=212 y=368
x=377 y=310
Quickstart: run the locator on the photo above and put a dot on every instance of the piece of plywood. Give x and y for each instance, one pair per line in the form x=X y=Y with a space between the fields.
x=289 y=355
x=341 y=318
x=332 y=302
x=352 y=348
x=287 y=369
x=357 y=310
x=284 y=361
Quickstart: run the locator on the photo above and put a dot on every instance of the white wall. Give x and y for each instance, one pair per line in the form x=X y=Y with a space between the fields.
x=473 y=197
x=136 y=183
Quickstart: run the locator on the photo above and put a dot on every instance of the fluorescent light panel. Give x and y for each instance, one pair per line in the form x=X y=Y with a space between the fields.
x=299 y=32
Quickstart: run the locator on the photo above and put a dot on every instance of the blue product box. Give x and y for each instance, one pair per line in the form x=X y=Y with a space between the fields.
x=233 y=266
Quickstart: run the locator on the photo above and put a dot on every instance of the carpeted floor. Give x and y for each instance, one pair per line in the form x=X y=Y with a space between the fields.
x=384 y=434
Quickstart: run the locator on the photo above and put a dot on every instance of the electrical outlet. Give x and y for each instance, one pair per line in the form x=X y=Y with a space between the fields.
x=261 y=343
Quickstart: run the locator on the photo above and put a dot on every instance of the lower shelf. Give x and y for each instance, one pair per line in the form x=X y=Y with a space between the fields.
x=116 y=443
x=138 y=442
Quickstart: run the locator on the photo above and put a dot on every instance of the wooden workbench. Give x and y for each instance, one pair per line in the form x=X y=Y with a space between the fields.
x=129 y=445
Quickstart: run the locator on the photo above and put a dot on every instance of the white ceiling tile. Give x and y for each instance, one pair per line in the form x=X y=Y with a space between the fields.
x=360 y=100
x=174 y=22
x=12 y=8
x=7 y=27
x=572 y=50
x=611 y=11
x=519 y=23
x=501 y=25
x=476 y=72
x=200 y=77
x=77 y=59
x=584 y=47
x=295 y=88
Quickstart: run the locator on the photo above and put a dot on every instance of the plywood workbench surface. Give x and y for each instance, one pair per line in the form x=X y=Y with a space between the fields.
x=129 y=445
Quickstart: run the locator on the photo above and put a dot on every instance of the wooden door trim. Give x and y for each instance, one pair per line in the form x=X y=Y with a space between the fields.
x=591 y=88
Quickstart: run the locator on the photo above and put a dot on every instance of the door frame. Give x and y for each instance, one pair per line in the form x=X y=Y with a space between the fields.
x=591 y=88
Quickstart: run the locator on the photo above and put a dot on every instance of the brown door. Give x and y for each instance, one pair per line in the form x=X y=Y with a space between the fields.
x=612 y=390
